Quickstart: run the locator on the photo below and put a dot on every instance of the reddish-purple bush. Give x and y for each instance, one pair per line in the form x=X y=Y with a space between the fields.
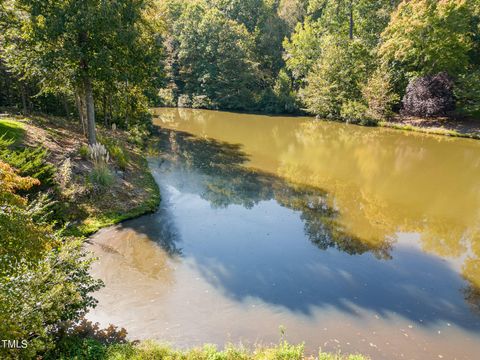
x=429 y=96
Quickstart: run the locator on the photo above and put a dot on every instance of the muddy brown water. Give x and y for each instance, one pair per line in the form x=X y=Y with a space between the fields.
x=353 y=239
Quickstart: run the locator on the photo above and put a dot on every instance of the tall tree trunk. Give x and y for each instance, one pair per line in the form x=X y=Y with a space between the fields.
x=126 y=105
x=65 y=105
x=110 y=107
x=24 y=99
x=79 y=96
x=92 y=135
x=352 y=24
x=105 y=113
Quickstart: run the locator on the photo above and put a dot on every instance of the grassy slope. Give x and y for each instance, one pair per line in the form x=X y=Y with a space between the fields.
x=87 y=207
x=103 y=212
x=12 y=129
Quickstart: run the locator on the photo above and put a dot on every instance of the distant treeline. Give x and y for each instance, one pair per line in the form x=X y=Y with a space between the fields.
x=349 y=59
x=344 y=59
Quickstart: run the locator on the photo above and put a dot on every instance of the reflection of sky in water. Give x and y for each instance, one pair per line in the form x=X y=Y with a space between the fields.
x=262 y=252
x=242 y=252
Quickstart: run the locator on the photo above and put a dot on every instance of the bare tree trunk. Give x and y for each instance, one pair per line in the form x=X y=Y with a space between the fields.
x=105 y=115
x=81 y=109
x=65 y=105
x=352 y=24
x=110 y=107
x=24 y=99
x=126 y=104
x=92 y=135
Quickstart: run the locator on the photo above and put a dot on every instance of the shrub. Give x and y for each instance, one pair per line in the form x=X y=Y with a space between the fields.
x=429 y=96
x=44 y=277
x=119 y=155
x=167 y=97
x=202 y=102
x=138 y=134
x=102 y=175
x=184 y=101
x=379 y=95
x=467 y=93
x=11 y=182
x=11 y=129
x=98 y=154
x=356 y=112
x=30 y=162
x=85 y=340
x=117 y=151
x=100 y=157
x=5 y=141
x=84 y=151
x=64 y=175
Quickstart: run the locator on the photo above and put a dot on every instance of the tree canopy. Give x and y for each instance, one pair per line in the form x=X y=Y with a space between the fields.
x=113 y=60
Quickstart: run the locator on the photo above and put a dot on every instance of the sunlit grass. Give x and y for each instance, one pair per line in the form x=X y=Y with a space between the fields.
x=433 y=131
x=12 y=129
x=151 y=350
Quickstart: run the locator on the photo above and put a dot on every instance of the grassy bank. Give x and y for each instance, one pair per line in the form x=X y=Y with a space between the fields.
x=85 y=201
x=150 y=350
x=469 y=130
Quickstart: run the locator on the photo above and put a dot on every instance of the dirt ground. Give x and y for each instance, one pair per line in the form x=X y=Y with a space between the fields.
x=89 y=206
x=462 y=126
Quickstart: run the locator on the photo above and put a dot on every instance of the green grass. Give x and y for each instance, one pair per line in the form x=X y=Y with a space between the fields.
x=12 y=129
x=145 y=181
x=150 y=350
x=444 y=132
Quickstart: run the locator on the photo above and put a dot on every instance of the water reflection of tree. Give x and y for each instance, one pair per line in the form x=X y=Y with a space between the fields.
x=226 y=181
x=448 y=221
x=159 y=228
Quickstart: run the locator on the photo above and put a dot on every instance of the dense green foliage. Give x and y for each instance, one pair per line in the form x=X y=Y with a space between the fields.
x=273 y=56
x=44 y=279
x=315 y=55
x=79 y=51
x=400 y=41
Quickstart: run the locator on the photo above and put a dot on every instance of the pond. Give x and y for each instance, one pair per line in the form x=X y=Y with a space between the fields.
x=351 y=239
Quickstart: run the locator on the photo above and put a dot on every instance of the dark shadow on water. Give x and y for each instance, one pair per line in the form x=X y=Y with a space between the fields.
x=225 y=181
x=380 y=277
x=160 y=228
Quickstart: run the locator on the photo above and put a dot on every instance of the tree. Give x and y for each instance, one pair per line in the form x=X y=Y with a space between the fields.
x=337 y=76
x=251 y=13
x=292 y=12
x=77 y=44
x=352 y=19
x=364 y=19
x=214 y=59
x=267 y=29
x=379 y=95
x=427 y=37
x=303 y=48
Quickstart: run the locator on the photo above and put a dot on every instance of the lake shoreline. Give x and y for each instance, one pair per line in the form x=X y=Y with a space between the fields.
x=444 y=126
x=133 y=192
